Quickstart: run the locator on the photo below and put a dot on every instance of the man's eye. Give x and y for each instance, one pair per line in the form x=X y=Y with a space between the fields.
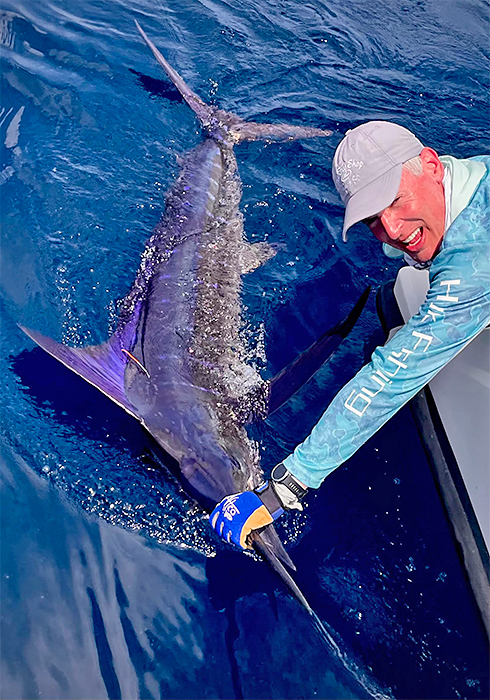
x=370 y=220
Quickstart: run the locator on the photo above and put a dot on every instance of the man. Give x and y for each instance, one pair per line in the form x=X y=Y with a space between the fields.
x=435 y=211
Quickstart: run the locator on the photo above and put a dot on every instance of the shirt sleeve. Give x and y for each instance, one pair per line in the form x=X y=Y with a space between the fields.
x=456 y=309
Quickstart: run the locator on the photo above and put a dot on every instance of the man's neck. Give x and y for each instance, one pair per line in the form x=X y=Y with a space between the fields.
x=462 y=177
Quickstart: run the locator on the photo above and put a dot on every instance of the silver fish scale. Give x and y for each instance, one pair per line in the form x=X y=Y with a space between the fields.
x=216 y=357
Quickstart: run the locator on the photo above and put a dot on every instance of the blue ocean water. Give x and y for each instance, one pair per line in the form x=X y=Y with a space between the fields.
x=112 y=583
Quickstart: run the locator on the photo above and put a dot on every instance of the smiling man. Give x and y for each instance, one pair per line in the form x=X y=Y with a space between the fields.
x=388 y=180
x=434 y=211
x=415 y=221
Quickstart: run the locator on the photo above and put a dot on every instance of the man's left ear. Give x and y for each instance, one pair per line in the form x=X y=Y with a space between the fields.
x=431 y=164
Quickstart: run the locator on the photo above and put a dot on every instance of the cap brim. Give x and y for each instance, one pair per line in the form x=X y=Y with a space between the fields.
x=372 y=199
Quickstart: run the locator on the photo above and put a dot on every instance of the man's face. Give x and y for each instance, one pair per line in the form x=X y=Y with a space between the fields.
x=414 y=221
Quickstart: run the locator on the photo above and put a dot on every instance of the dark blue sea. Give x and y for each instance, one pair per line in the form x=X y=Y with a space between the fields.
x=113 y=585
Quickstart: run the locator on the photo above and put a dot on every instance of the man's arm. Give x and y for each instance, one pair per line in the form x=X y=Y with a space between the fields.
x=456 y=309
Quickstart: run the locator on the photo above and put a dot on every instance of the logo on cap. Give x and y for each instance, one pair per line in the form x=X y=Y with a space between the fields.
x=348 y=175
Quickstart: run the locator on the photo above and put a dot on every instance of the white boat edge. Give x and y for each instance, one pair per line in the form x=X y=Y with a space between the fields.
x=453 y=418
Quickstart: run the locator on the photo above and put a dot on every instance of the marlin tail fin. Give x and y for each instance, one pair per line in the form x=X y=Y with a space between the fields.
x=234 y=126
x=202 y=110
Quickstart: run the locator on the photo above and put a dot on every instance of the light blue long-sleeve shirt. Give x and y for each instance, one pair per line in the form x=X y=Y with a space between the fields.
x=456 y=309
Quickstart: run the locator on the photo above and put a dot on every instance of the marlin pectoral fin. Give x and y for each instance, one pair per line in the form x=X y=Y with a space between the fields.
x=254 y=255
x=100 y=365
x=295 y=375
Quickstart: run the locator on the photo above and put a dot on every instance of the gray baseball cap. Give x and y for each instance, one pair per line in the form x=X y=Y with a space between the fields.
x=367 y=168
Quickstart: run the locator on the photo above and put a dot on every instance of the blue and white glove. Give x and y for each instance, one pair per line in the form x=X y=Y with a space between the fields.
x=236 y=516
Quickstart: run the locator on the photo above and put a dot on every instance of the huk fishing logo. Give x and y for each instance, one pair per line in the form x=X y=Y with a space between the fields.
x=230 y=509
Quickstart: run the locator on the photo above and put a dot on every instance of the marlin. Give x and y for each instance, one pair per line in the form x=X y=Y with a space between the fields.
x=177 y=360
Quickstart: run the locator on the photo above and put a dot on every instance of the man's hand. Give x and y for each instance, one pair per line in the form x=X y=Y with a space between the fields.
x=236 y=516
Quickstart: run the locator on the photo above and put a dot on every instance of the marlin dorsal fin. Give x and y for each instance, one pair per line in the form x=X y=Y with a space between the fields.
x=101 y=365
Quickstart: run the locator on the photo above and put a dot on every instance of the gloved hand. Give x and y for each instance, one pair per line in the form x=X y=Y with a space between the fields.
x=236 y=516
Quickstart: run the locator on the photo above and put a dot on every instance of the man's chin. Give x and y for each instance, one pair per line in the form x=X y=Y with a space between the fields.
x=419 y=257
x=424 y=256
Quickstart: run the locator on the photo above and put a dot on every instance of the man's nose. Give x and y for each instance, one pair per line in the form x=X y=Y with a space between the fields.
x=391 y=224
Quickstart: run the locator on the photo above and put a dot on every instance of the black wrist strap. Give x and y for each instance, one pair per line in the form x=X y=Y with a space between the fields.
x=270 y=499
